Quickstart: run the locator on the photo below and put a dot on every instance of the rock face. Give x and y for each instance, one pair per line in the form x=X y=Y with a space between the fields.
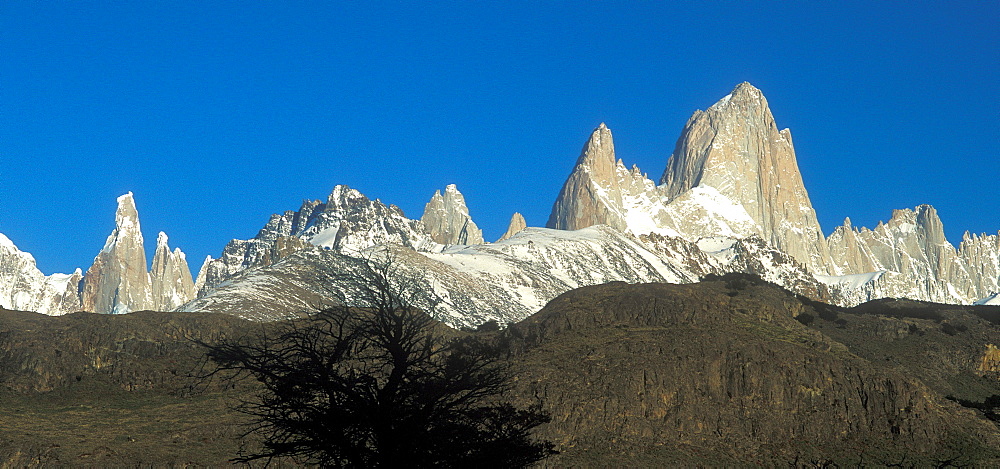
x=720 y=373
x=446 y=219
x=731 y=199
x=736 y=148
x=982 y=251
x=595 y=178
x=24 y=287
x=732 y=174
x=517 y=224
x=172 y=284
x=118 y=282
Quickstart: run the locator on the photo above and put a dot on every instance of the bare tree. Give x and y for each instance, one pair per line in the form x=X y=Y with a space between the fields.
x=376 y=381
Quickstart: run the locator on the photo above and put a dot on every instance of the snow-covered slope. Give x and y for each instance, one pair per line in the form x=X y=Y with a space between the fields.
x=505 y=281
x=989 y=300
x=733 y=174
x=600 y=190
x=735 y=147
x=731 y=199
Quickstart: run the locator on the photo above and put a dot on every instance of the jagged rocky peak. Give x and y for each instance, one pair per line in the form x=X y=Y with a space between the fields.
x=578 y=205
x=351 y=222
x=118 y=282
x=202 y=282
x=517 y=224
x=735 y=147
x=594 y=192
x=929 y=224
x=446 y=219
x=171 y=282
x=983 y=250
x=290 y=223
x=598 y=154
x=921 y=263
x=347 y=222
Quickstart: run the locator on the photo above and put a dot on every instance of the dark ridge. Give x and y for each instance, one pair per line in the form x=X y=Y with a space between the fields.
x=729 y=371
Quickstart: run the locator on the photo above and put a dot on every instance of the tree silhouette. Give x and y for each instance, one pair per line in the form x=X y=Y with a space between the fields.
x=376 y=381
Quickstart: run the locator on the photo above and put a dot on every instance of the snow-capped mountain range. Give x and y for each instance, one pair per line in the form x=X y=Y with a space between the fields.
x=731 y=199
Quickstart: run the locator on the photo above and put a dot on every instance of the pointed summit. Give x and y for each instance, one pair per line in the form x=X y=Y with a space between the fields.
x=517 y=224
x=579 y=204
x=735 y=147
x=598 y=154
x=117 y=282
x=746 y=91
x=745 y=95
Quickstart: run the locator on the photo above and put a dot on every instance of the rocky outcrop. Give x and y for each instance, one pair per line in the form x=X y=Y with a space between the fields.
x=981 y=255
x=118 y=282
x=734 y=175
x=172 y=284
x=517 y=224
x=24 y=287
x=592 y=195
x=447 y=221
x=735 y=147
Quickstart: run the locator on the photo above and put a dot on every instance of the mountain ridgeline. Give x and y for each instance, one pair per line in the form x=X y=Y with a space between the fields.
x=730 y=199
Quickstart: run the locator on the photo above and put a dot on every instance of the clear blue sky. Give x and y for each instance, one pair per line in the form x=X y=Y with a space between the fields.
x=217 y=114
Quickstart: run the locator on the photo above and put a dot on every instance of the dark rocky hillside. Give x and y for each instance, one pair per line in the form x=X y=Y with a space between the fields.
x=721 y=373
x=951 y=348
x=729 y=371
x=105 y=390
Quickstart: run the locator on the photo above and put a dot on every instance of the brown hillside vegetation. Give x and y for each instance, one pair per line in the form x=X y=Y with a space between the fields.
x=727 y=371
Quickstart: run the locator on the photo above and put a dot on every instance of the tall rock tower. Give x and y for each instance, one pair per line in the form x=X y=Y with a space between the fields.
x=117 y=282
x=736 y=148
x=595 y=191
x=172 y=284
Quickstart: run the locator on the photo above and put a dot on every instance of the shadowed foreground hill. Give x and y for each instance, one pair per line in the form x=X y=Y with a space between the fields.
x=112 y=390
x=721 y=372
